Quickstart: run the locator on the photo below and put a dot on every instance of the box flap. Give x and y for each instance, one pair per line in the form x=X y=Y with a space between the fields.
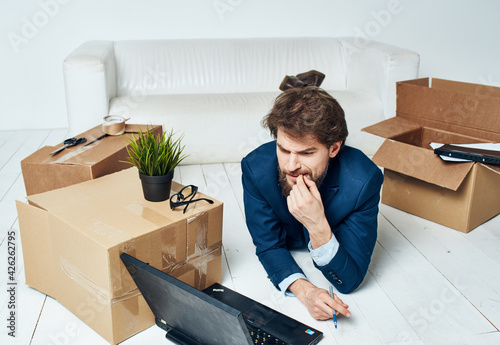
x=452 y=106
x=392 y=127
x=495 y=168
x=36 y=241
x=475 y=89
x=421 y=163
x=420 y=81
x=39 y=177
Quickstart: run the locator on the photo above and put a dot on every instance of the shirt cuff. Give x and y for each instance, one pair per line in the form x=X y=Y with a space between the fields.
x=285 y=283
x=324 y=254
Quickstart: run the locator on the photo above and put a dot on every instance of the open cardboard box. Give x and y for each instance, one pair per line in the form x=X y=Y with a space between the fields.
x=72 y=239
x=459 y=195
x=43 y=172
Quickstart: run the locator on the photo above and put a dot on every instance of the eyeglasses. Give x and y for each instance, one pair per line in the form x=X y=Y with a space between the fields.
x=179 y=199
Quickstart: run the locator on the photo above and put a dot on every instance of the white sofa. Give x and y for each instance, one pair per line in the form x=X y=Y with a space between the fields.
x=216 y=91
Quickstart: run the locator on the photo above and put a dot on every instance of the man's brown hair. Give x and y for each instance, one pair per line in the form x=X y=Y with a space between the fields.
x=308 y=111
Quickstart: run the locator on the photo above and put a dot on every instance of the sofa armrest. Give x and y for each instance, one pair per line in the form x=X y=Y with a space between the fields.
x=90 y=82
x=374 y=68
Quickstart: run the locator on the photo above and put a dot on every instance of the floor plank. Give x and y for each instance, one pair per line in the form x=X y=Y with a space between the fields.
x=4 y=137
x=441 y=308
x=20 y=145
x=193 y=174
x=29 y=304
x=456 y=258
x=233 y=171
x=11 y=146
x=486 y=238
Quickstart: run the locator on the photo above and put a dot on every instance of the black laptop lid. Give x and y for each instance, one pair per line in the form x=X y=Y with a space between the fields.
x=270 y=320
x=185 y=311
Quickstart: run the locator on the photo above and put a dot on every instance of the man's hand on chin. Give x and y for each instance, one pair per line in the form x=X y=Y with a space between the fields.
x=318 y=301
x=305 y=204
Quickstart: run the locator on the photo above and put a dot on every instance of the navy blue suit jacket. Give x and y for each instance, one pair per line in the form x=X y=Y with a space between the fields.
x=350 y=193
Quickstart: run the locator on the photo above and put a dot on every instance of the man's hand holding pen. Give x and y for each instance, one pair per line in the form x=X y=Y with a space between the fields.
x=318 y=301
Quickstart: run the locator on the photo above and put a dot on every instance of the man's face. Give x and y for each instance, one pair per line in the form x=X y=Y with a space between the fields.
x=302 y=156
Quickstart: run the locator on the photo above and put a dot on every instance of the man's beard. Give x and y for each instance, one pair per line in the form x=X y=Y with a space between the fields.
x=286 y=187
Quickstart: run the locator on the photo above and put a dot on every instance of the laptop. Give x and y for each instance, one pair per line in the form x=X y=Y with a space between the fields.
x=216 y=315
x=483 y=153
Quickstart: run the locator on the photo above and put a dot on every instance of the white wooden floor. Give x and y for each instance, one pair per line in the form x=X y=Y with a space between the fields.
x=427 y=284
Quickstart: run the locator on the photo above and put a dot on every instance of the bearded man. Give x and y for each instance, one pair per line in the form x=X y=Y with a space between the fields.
x=307 y=188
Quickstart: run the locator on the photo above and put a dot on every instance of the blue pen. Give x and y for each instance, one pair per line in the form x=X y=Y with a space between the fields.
x=332 y=295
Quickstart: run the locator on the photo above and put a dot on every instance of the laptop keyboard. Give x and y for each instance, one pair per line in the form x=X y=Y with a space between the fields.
x=261 y=337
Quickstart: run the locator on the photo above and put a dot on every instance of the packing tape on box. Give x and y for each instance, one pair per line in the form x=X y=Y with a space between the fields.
x=80 y=278
x=197 y=232
x=196 y=267
x=114 y=124
x=148 y=214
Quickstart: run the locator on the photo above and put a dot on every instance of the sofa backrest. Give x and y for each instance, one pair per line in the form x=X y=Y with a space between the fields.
x=224 y=65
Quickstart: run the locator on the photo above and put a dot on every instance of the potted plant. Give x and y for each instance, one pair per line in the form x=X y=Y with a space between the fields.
x=156 y=157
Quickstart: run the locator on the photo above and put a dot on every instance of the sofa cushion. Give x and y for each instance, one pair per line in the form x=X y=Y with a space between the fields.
x=224 y=65
x=230 y=122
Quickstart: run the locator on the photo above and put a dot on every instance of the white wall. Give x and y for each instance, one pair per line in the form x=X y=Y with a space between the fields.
x=456 y=39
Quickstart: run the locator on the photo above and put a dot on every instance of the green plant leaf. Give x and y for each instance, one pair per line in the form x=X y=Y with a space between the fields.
x=155 y=155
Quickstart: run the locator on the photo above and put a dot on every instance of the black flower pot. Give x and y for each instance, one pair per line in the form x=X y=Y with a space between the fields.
x=156 y=188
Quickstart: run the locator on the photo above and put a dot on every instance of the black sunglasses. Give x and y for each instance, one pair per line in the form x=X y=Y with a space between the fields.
x=179 y=199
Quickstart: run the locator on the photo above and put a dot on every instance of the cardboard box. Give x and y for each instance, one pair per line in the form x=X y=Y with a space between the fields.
x=72 y=239
x=43 y=172
x=459 y=195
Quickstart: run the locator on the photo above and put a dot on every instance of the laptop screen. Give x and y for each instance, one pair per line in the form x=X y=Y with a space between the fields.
x=186 y=310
